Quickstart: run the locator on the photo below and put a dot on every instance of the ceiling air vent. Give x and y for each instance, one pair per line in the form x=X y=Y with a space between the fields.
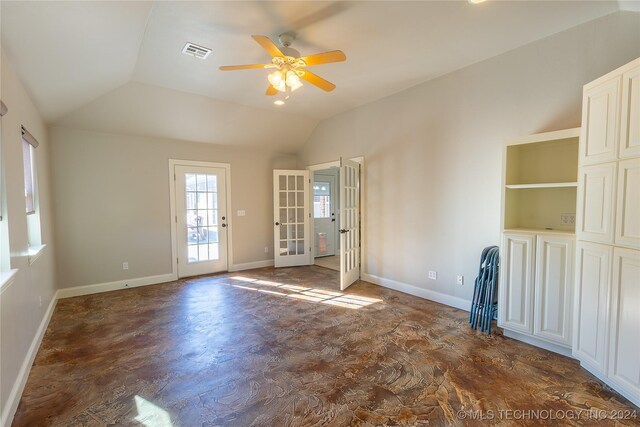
x=197 y=51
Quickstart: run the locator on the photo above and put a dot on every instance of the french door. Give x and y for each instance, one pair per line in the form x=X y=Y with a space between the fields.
x=349 y=223
x=201 y=220
x=291 y=218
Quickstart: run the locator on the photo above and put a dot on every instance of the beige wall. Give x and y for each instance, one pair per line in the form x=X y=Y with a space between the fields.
x=21 y=310
x=112 y=202
x=433 y=153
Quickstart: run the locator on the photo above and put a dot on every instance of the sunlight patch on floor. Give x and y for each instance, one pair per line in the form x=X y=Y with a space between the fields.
x=150 y=415
x=321 y=296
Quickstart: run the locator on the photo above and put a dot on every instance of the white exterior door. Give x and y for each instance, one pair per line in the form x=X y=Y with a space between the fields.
x=515 y=307
x=291 y=218
x=553 y=288
x=592 y=304
x=201 y=220
x=349 y=223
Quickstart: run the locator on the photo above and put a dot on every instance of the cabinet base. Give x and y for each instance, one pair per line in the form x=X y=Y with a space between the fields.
x=633 y=398
x=564 y=351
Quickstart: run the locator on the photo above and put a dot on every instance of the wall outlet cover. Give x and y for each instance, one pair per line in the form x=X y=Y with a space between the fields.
x=433 y=275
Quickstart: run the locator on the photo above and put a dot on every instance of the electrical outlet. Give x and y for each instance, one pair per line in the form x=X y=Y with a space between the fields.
x=266 y=249
x=242 y=212
x=460 y=279
x=125 y=265
x=568 y=219
x=433 y=275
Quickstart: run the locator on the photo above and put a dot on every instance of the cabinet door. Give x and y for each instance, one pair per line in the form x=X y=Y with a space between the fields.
x=596 y=195
x=516 y=283
x=624 y=335
x=600 y=121
x=591 y=304
x=553 y=288
x=630 y=114
x=628 y=209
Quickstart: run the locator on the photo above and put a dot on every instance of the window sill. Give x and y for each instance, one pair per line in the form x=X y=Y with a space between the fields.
x=6 y=279
x=35 y=252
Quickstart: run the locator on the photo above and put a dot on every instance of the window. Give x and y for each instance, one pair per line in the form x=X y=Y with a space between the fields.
x=321 y=199
x=29 y=180
x=29 y=145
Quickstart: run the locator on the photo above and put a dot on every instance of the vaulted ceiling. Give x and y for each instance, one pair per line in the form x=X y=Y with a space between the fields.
x=118 y=66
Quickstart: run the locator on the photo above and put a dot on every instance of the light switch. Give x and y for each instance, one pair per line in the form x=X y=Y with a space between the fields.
x=241 y=213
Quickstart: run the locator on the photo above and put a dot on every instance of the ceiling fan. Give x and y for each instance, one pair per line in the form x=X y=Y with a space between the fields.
x=290 y=67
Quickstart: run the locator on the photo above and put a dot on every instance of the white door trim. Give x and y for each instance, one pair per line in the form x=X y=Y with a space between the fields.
x=172 y=202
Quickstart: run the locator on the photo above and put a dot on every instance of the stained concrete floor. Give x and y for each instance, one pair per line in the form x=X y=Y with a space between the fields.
x=283 y=347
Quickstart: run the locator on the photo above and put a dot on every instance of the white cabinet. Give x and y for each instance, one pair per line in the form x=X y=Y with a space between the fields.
x=600 y=120
x=516 y=284
x=536 y=282
x=596 y=198
x=607 y=301
x=553 y=288
x=624 y=342
x=628 y=209
x=630 y=114
x=592 y=303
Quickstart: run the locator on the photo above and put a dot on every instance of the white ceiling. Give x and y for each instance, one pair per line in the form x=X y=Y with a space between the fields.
x=72 y=54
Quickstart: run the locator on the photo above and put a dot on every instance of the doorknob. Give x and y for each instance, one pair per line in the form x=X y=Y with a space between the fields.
x=224 y=225
x=224 y=217
x=344 y=231
x=277 y=223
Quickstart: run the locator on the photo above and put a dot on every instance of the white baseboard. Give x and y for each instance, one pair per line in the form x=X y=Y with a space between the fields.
x=251 y=265
x=536 y=342
x=18 y=386
x=113 y=286
x=633 y=397
x=438 y=297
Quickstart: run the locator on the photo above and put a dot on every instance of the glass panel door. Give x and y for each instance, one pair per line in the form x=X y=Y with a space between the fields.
x=291 y=214
x=201 y=220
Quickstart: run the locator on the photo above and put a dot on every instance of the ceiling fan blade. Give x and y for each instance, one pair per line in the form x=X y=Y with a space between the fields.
x=268 y=45
x=271 y=91
x=243 y=67
x=315 y=79
x=325 y=58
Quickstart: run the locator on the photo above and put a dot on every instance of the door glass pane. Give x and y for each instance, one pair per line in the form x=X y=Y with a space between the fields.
x=202 y=217
x=292 y=183
x=283 y=198
x=292 y=198
x=300 y=185
x=282 y=185
x=321 y=199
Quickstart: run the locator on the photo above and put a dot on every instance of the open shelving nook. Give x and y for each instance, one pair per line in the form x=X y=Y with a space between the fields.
x=540 y=182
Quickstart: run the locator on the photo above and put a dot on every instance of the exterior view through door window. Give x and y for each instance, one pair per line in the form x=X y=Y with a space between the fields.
x=201 y=192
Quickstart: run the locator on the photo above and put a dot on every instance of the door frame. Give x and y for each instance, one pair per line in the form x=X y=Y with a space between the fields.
x=328 y=165
x=172 y=202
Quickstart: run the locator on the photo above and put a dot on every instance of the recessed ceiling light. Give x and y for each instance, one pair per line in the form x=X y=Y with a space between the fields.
x=193 y=49
x=475 y=1
x=278 y=102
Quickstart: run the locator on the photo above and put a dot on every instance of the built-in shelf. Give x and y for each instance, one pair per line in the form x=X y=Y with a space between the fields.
x=540 y=182
x=539 y=230
x=543 y=185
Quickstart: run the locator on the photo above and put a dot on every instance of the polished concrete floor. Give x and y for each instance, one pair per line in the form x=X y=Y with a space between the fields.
x=332 y=262
x=284 y=348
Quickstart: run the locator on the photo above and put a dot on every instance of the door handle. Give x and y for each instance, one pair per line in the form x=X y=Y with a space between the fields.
x=277 y=223
x=342 y=231
x=223 y=225
x=333 y=220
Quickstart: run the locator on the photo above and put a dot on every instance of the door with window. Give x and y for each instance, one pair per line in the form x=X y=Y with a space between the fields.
x=201 y=220
x=349 y=223
x=324 y=214
x=291 y=218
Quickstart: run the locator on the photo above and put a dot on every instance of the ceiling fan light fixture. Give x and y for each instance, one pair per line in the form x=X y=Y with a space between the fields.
x=293 y=81
x=277 y=81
